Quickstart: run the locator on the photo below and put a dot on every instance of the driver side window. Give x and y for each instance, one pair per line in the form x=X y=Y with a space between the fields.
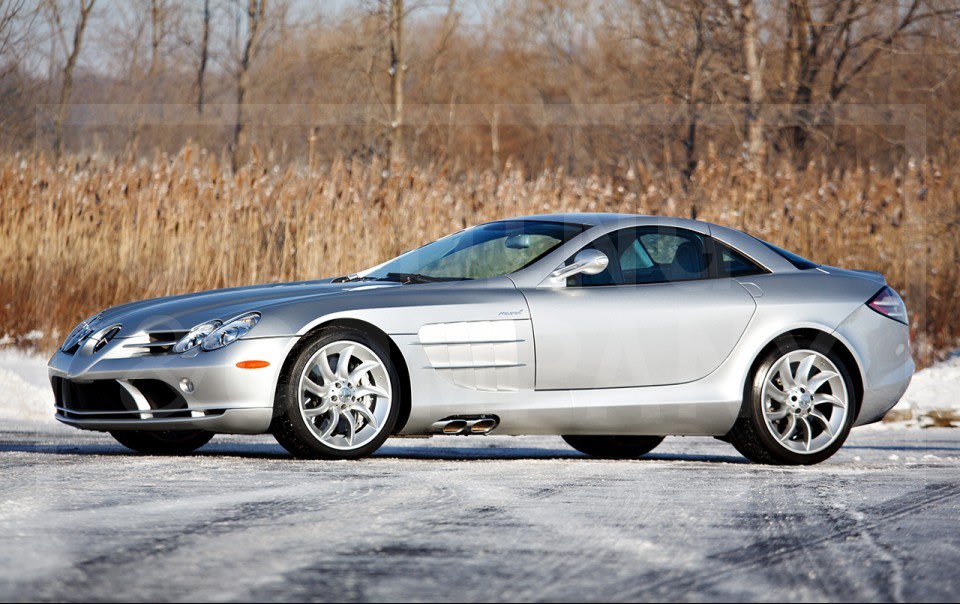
x=644 y=255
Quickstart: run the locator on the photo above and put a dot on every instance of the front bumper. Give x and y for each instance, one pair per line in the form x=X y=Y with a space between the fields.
x=123 y=388
x=882 y=348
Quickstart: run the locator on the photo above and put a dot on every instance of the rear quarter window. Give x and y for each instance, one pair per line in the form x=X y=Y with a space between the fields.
x=798 y=261
x=734 y=264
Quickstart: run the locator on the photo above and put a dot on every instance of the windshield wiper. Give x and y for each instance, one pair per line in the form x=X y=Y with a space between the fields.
x=350 y=278
x=417 y=278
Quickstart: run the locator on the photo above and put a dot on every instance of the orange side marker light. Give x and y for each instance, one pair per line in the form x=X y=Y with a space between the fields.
x=253 y=364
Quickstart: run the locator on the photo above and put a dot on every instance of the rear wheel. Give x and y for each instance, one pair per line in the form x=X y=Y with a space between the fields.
x=166 y=442
x=339 y=399
x=799 y=406
x=614 y=447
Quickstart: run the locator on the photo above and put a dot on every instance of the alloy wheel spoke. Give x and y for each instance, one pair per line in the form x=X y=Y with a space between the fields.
x=367 y=389
x=334 y=415
x=823 y=420
x=315 y=388
x=776 y=415
x=808 y=433
x=343 y=364
x=312 y=412
x=791 y=428
x=351 y=427
x=775 y=393
x=324 y=364
x=803 y=371
x=820 y=399
x=819 y=380
x=359 y=372
x=366 y=413
x=785 y=377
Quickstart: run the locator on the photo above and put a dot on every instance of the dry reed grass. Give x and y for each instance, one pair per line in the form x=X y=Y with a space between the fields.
x=88 y=232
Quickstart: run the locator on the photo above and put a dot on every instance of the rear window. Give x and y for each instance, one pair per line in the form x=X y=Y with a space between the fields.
x=798 y=261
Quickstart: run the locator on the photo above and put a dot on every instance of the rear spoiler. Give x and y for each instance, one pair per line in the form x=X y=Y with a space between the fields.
x=872 y=275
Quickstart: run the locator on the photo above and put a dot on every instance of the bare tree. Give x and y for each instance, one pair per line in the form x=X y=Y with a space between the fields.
x=432 y=60
x=753 y=66
x=831 y=42
x=12 y=32
x=204 y=54
x=527 y=58
x=73 y=52
x=160 y=13
x=698 y=56
x=688 y=42
x=397 y=71
x=17 y=89
x=159 y=24
x=256 y=15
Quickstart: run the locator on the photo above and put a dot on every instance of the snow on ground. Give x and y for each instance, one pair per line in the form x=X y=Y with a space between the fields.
x=25 y=392
x=933 y=398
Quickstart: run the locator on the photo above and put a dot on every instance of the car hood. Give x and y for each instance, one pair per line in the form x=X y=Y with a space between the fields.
x=181 y=313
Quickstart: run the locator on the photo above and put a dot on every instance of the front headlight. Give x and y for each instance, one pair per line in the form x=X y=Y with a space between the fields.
x=196 y=335
x=80 y=332
x=230 y=331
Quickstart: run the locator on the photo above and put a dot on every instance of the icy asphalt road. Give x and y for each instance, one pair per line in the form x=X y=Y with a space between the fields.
x=477 y=518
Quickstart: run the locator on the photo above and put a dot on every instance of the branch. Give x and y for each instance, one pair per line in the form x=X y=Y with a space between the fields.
x=57 y=24
x=910 y=18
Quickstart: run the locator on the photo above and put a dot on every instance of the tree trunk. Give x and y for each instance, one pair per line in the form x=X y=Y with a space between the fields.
x=697 y=63
x=157 y=13
x=66 y=88
x=689 y=146
x=255 y=16
x=754 y=67
x=797 y=68
x=397 y=69
x=204 y=54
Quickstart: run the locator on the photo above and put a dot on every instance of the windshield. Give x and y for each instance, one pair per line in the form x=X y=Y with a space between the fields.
x=488 y=250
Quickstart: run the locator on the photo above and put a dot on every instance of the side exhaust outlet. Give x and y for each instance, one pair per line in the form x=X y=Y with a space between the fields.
x=456 y=426
x=463 y=425
x=483 y=426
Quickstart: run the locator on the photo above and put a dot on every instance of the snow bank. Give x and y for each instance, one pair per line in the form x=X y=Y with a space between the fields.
x=933 y=398
x=25 y=392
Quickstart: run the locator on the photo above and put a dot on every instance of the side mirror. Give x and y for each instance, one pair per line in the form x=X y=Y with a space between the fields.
x=586 y=262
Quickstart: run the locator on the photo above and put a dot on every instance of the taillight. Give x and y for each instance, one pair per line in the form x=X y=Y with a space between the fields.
x=888 y=303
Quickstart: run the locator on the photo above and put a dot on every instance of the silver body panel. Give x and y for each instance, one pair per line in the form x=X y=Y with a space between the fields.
x=636 y=335
x=664 y=359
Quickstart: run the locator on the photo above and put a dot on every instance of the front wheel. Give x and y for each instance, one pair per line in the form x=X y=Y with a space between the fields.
x=339 y=399
x=798 y=407
x=166 y=442
x=613 y=447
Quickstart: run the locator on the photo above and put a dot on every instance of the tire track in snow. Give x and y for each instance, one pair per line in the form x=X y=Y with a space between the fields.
x=785 y=548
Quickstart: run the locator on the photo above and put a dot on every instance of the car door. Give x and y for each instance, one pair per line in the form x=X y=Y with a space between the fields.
x=659 y=314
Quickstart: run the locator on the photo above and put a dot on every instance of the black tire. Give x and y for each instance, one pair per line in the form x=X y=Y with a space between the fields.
x=290 y=427
x=166 y=442
x=613 y=447
x=750 y=434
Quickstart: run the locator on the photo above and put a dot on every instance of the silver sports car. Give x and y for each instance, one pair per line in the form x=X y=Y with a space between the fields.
x=612 y=331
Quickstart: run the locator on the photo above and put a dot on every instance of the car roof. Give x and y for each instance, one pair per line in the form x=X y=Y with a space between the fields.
x=599 y=218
